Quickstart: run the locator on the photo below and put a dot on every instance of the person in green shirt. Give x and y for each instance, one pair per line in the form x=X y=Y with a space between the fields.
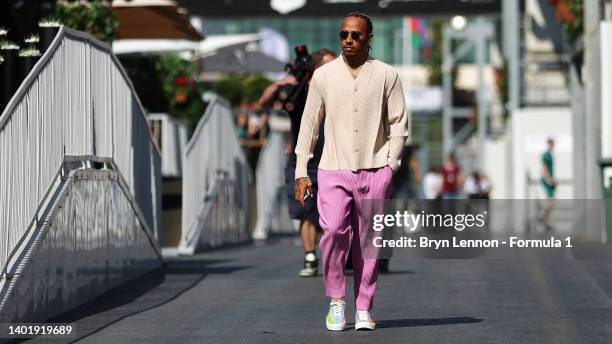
x=548 y=180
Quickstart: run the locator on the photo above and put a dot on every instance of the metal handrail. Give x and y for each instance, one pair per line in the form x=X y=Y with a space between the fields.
x=77 y=100
x=61 y=193
x=46 y=57
x=61 y=177
x=211 y=157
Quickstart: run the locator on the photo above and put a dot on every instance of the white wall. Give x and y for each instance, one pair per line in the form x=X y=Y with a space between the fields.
x=530 y=129
x=174 y=135
x=417 y=76
x=606 y=89
x=497 y=167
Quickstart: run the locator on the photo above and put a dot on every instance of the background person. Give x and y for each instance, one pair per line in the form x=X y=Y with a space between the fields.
x=432 y=183
x=408 y=174
x=308 y=214
x=548 y=180
x=452 y=178
x=477 y=186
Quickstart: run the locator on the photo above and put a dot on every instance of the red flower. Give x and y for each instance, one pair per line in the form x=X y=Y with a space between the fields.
x=564 y=12
x=181 y=80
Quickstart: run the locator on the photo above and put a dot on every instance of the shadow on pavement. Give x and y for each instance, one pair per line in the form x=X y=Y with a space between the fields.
x=425 y=322
x=142 y=294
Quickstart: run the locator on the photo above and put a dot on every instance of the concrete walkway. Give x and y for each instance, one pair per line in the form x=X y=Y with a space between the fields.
x=252 y=294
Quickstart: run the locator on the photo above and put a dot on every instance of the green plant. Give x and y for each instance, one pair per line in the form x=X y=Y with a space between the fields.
x=49 y=22
x=96 y=17
x=29 y=52
x=33 y=38
x=231 y=88
x=182 y=92
x=254 y=86
x=436 y=56
x=5 y=44
x=435 y=60
x=501 y=83
x=570 y=14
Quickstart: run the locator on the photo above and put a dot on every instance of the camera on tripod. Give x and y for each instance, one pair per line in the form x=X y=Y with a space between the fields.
x=302 y=70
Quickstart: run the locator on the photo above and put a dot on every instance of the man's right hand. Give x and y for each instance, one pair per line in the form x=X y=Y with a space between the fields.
x=287 y=80
x=299 y=189
x=268 y=95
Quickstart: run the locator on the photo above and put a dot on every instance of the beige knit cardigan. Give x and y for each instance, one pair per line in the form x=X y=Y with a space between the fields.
x=366 y=122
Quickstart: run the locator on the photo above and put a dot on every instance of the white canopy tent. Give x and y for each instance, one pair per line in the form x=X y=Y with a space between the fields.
x=210 y=46
x=217 y=54
x=154 y=46
x=248 y=59
x=215 y=43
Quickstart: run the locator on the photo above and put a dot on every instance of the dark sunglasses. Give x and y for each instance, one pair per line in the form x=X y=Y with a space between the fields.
x=355 y=35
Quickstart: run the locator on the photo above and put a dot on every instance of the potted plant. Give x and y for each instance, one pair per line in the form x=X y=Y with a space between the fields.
x=27 y=59
x=180 y=89
x=570 y=14
x=2 y=90
x=48 y=29
x=32 y=39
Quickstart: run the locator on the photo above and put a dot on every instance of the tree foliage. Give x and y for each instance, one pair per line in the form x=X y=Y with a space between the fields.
x=96 y=17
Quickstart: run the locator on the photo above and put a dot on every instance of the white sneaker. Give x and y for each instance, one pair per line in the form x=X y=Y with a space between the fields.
x=363 y=321
x=335 y=319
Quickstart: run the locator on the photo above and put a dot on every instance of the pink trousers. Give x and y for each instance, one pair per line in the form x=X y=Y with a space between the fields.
x=339 y=205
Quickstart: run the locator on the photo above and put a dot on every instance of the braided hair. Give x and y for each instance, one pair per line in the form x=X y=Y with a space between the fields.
x=369 y=26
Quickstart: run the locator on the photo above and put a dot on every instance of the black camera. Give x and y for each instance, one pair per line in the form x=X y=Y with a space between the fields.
x=302 y=70
x=301 y=66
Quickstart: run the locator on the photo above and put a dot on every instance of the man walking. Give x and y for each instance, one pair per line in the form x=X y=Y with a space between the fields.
x=548 y=181
x=306 y=214
x=452 y=177
x=362 y=103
